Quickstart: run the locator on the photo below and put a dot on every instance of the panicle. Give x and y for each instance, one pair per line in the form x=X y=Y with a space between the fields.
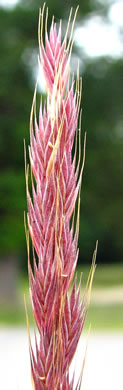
x=56 y=181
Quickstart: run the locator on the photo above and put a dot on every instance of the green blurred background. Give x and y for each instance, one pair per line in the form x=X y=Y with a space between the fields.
x=99 y=47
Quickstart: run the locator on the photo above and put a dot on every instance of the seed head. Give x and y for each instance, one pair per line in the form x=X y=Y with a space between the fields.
x=56 y=181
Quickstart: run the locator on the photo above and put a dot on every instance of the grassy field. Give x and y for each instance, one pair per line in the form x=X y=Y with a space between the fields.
x=105 y=275
x=104 y=317
x=104 y=314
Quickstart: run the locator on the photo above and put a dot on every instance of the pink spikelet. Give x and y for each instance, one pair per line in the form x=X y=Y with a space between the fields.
x=56 y=181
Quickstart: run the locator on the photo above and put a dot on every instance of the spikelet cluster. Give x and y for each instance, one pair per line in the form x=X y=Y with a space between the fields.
x=56 y=181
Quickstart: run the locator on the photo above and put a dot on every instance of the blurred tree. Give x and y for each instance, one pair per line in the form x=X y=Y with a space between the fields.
x=102 y=106
x=103 y=185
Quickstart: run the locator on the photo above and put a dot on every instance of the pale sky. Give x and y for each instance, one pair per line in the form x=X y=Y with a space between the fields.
x=8 y=3
x=98 y=38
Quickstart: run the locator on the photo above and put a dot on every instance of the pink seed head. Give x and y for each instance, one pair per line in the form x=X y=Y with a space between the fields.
x=55 y=189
